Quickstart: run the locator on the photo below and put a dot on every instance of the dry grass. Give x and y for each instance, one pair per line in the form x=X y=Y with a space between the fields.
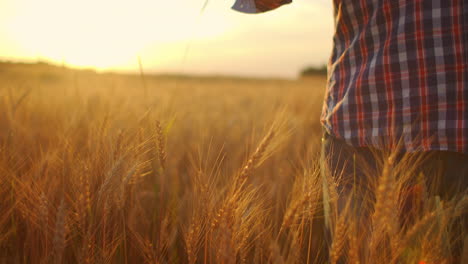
x=96 y=169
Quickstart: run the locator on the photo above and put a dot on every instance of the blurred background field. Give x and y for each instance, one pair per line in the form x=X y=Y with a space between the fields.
x=114 y=168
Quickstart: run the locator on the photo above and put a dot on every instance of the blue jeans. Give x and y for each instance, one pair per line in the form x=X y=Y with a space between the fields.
x=356 y=170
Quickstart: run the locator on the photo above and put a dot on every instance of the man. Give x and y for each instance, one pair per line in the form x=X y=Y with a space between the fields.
x=398 y=81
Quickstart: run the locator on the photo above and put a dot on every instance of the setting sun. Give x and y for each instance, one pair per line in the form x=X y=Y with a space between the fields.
x=103 y=33
x=110 y=35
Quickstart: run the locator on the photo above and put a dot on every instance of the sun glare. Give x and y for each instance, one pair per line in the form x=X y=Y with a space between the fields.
x=105 y=33
x=169 y=35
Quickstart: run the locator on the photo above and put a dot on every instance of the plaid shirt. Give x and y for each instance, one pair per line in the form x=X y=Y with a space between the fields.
x=397 y=74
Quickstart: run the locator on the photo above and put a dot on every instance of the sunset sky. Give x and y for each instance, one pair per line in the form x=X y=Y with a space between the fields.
x=111 y=34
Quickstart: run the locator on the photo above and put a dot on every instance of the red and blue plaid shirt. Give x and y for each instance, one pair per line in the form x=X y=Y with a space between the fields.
x=398 y=73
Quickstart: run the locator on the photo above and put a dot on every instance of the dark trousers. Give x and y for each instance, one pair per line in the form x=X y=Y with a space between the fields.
x=356 y=169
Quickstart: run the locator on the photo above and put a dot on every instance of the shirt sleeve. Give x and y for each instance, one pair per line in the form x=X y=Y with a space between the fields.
x=258 y=6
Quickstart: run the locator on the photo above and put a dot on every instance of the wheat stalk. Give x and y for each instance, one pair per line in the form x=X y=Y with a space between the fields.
x=253 y=160
x=60 y=232
x=161 y=145
x=384 y=218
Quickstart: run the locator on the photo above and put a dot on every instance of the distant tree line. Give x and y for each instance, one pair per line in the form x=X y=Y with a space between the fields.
x=314 y=71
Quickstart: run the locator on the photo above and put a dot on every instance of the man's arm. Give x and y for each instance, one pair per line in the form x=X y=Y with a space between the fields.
x=258 y=6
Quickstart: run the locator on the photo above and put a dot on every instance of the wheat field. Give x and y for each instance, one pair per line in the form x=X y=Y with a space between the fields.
x=114 y=168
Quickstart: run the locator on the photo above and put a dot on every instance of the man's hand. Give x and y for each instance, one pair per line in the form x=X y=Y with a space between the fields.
x=258 y=6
